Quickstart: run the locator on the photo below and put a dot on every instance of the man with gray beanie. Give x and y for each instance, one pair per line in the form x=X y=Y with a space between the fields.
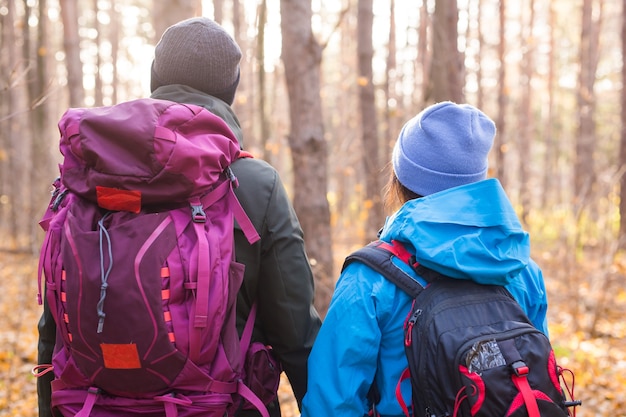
x=197 y=62
x=454 y=221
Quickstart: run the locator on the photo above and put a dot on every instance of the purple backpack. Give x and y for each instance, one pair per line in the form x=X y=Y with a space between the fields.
x=139 y=264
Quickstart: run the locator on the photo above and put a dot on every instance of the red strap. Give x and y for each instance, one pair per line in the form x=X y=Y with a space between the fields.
x=245 y=154
x=406 y=374
x=521 y=382
x=398 y=250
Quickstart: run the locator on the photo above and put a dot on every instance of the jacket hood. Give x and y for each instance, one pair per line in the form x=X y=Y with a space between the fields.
x=185 y=94
x=467 y=232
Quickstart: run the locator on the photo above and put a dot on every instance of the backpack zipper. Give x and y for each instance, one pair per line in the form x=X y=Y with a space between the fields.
x=408 y=338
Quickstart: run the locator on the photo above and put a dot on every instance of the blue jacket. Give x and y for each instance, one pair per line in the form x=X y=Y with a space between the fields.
x=468 y=232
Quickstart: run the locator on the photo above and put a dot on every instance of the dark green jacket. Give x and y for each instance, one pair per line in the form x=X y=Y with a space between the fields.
x=277 y=270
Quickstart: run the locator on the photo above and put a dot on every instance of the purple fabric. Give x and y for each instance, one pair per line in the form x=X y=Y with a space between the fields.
x=167 y=285
x=167 y=151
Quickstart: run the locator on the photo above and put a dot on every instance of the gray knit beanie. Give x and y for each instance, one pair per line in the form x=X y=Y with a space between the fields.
x=444 y=146
x=198 y=53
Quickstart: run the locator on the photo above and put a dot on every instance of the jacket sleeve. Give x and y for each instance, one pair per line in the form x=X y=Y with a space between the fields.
x=286 y=290
x=277 y=274
x=343 y=362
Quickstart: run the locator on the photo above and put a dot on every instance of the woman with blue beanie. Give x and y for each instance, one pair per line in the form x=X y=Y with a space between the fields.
x=456 y=222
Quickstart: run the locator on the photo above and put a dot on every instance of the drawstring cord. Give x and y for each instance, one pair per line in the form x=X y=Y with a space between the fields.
x=104 y=275
x=460 y=397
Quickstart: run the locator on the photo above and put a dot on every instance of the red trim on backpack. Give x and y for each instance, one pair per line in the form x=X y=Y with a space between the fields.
x=120 y=355
x=552 y=371
x=118 y=200
x=245 y=154
x=479 y=388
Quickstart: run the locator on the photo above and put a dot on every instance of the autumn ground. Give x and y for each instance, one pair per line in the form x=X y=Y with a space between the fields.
x=599 y=361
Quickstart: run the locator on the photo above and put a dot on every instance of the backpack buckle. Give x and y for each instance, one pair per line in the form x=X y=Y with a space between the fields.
x=232 y=177
x=197 y=214
x=58 y=197
x=520 y=368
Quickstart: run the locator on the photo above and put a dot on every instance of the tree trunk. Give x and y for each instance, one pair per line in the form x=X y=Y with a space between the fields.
x=301 y=55
x=218 y=11
x=115 y=47
x=584 y=167
x=98 y=97
x=167 y=13
x=237 y=12
x=43 y=170
x=446 y=73
x=391 y=103
x=525 y=129
x=71 y=44
x=17 y=177
x=480 y=95
x=503 y=99
x=622 y=154
x=369 y=121
x=264 y=124
x=424 y=57
x=551 y=191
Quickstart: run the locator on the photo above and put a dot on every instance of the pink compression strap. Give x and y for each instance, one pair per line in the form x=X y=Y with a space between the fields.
x=246 y=336
x=90 y=401
x=252 y=398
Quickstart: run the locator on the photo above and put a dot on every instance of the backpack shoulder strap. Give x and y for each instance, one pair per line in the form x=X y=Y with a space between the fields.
x=378 y=256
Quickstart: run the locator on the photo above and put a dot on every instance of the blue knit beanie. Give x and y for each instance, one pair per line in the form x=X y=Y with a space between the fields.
x=444 y=146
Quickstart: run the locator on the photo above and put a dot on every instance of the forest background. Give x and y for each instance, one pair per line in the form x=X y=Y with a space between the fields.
x=326 y=86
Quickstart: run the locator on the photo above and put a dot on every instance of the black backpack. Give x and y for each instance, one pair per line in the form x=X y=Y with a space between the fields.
x=471 y=349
